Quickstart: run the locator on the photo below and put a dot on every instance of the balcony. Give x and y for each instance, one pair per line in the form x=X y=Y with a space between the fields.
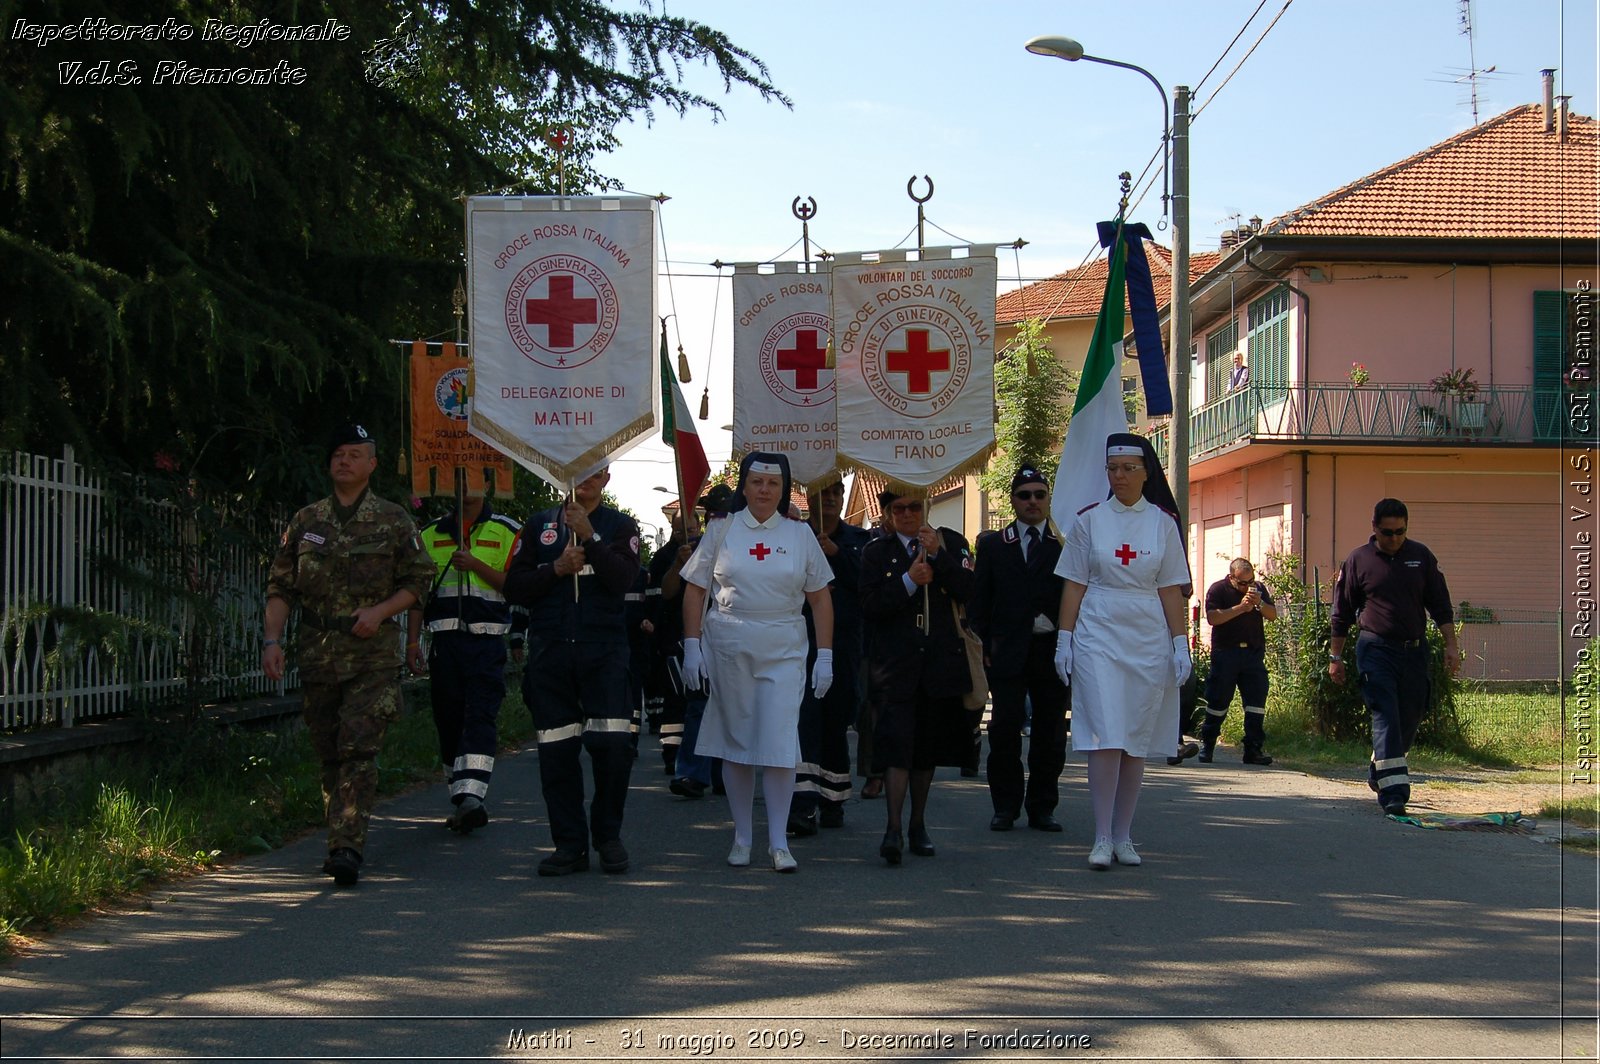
x=1392 y=413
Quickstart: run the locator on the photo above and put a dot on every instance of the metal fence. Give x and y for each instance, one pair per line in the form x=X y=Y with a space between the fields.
x=101 y=612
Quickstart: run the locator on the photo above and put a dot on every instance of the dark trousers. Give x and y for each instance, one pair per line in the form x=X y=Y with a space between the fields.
x=578 y=695
x=1047 y=745
x=1245 y=670
x=467 y=683
x=824 y=774
x=1395 y=686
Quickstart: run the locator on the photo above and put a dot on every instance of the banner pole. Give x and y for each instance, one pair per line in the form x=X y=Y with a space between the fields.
x=462 y=533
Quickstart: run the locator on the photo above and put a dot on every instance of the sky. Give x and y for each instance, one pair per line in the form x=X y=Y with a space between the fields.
x=1018 y=145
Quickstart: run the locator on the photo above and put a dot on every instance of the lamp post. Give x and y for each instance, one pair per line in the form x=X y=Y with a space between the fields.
x=1175 y=142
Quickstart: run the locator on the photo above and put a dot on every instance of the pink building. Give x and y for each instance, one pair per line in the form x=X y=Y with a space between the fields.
x=1359 y=315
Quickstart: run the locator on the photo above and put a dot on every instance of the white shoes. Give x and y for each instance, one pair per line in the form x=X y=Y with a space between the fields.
x=1125 y=853
x=739 y=856
x=1100 y=855
x=783 y=861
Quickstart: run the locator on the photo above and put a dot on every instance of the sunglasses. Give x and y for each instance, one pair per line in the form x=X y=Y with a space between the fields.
x=1042 y=493
x=1391 y=531
x=906 y=508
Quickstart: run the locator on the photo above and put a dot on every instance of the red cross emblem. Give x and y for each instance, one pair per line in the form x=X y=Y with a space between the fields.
x=1126 y=553
x=560 y=311
x=917 y=362
x=804 y=359
x=761 y=550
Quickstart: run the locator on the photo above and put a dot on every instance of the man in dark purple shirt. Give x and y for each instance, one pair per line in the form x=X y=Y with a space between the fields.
x=1236 y=608
x=1394 y=585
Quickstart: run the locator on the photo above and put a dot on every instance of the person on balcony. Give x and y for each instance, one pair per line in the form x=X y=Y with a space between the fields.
x=1392 y=585
x=1239 y=376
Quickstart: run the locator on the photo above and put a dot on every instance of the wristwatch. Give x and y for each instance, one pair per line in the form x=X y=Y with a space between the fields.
x=1335 y=657
x=270 y=643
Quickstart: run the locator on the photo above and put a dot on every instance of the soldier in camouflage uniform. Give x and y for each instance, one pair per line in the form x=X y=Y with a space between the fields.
x=351 y=562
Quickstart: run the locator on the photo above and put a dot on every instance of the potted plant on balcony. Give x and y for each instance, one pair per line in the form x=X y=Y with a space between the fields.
x=1359 y=374
x=1458 y=387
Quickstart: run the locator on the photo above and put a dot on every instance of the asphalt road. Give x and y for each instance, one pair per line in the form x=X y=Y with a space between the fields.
x=1276 y=916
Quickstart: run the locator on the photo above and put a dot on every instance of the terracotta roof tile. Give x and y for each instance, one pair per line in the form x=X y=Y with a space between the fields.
x=1505 y=177
x=1077 y=292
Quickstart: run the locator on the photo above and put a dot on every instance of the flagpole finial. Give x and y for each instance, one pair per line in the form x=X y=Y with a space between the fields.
x=1126 y=180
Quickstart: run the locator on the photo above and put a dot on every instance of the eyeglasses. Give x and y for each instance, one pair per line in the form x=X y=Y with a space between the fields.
x=1042 y=493
x=1391 y=531
x=906 y=508
x=1125 y=468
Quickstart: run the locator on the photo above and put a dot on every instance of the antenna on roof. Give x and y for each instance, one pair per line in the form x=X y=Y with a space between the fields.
x=1472 y=58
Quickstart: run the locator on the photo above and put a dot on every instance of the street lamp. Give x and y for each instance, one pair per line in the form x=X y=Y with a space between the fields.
x=1175 y=139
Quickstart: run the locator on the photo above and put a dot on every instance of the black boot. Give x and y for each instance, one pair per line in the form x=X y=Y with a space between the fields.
x=1254 y=756
x=1208 y=749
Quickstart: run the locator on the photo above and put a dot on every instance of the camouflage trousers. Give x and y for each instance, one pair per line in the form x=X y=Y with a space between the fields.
x=347 y=719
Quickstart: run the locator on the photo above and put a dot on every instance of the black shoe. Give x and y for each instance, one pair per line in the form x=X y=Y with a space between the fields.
x=831 y=815
x=1001 y=822
x=466 y=818
x=1208 y=749
x=344 y=865
x=1186 y=750
x=613 y=857
x=1254 y=756
x=684 y=787
x=889 y=849
x=1044 y=822
x=802 y=826
x=1395 y=808
x=921 y=845
x=873 y=788
x=968 y=772
x=669 y=767
x=564 y=863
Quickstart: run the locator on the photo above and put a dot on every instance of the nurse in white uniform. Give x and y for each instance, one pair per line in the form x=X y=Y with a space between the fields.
x=759 y=568
x=1123 y=639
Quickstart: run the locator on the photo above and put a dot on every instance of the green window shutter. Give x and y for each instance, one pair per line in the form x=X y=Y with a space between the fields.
x=1268 y=319
x=1549 y=356
x=1220 y=345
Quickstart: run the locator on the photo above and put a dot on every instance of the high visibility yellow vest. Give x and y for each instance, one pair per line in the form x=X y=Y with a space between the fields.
x=463 y=601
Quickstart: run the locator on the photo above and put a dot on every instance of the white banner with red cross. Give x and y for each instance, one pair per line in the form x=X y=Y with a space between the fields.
x=913 y=341
x=782 y=385
x=562 y=293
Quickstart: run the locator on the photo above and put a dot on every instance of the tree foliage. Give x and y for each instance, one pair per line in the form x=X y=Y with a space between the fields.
x=214 y=271
x=1032 y=388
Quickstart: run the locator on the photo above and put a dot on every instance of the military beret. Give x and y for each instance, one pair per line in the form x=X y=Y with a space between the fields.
x=1027 y=475
x=348 y=433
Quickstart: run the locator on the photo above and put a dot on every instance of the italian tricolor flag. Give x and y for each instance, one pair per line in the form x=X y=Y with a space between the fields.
x=677 y=432
x=1098 y=411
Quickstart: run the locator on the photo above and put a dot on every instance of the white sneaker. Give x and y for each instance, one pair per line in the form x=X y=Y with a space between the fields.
x=783 y=861
x=1100 y=855
x=1126 y=854
x=739 y=856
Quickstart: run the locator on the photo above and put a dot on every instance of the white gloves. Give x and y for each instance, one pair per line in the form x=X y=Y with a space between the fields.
x=1064 y=656
x=694 y=665
x=822 y=673
x=1182 y=664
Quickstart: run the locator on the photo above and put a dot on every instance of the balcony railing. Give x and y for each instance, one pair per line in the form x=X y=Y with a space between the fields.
x=1396 y=413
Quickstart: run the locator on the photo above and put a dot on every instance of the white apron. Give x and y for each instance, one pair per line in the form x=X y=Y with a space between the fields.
x=754 y=637
x=1124 y=695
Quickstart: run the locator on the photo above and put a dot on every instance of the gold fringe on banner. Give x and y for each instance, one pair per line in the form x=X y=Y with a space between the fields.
x=827 y=355
x=683 y=366
x=596 y=455
x=971 y=466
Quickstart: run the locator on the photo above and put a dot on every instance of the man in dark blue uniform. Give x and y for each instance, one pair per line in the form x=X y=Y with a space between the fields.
x=577 y=562
x=1392 y=585
x=1237 y=609
x=1015 y=600
x=823 y=782
x=916 y=660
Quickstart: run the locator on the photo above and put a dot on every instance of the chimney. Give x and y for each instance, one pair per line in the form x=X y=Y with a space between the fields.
x=1255 y=224
x=1548 y=77
x=1230 y=238
x=1561 y=118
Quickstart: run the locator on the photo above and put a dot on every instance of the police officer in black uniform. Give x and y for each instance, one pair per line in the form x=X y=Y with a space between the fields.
x=577 y=563
x=1392 y=585
x=1237 y=609
x=1015 y=600
x=916 y=660
x=823 y=782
